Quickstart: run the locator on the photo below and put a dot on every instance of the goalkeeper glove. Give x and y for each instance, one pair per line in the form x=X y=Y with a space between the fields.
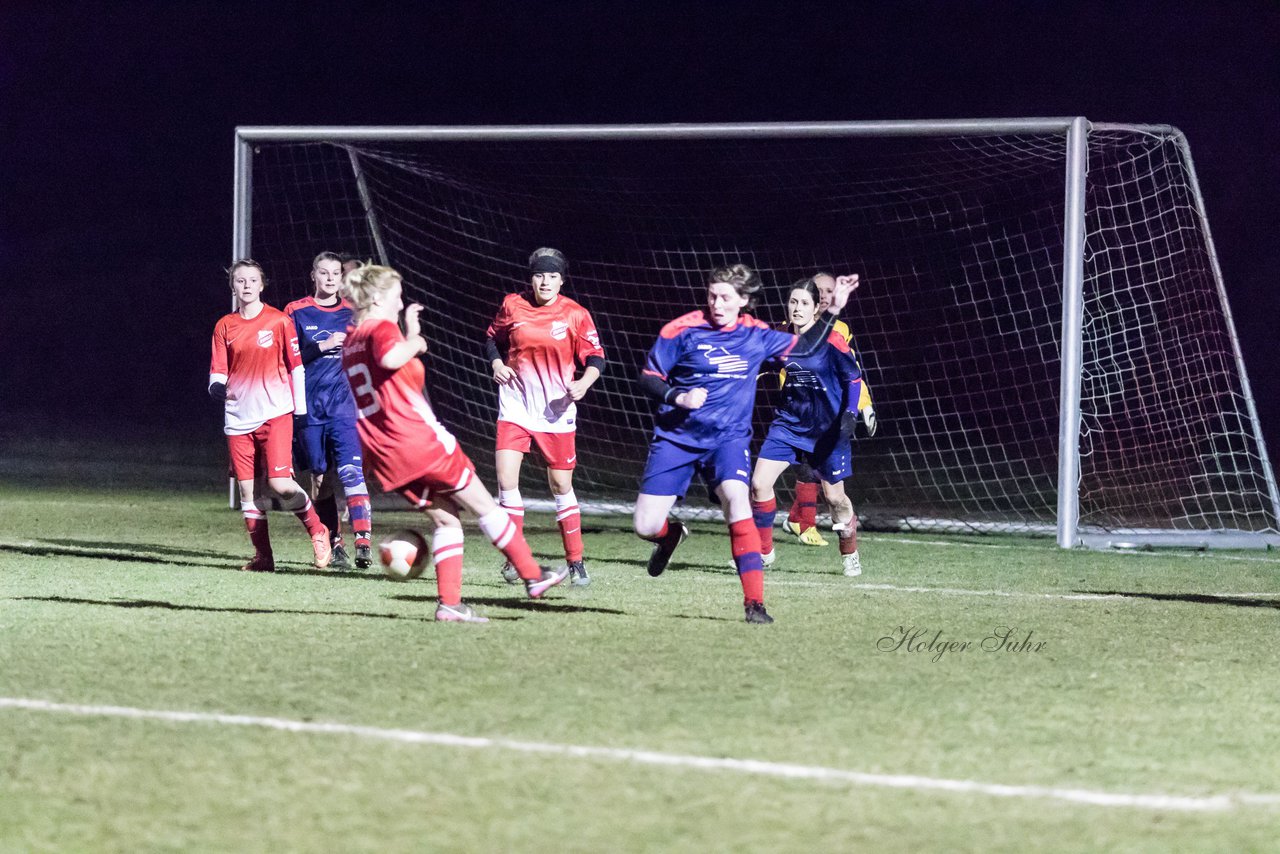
x=218 y=391
x=869 y=422
x=848 y=423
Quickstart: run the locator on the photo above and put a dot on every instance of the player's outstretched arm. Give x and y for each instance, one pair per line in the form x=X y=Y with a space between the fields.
x=414 y=344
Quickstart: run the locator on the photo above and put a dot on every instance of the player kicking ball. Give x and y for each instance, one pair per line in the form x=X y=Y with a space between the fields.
x=256 y=374
x=408 y=451
x=702 y=372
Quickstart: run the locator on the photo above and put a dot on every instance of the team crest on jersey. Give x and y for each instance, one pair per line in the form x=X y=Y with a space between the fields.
x=266 y=338
x=559 y=329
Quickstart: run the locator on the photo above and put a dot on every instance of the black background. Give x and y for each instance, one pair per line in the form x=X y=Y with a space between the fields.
x=118 y=120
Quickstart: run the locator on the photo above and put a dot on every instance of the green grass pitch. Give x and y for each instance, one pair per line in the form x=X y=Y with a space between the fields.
x=115 y=595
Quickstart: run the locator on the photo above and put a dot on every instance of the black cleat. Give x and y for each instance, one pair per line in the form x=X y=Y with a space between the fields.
x=340 y=559
x=578 y=574
x=663 y=549
x=364 y=555
x=757 y=614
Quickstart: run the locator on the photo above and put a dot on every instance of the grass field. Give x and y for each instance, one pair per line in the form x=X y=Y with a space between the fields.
x=636 y=714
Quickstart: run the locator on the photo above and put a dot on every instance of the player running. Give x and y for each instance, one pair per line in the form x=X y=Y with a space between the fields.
x=256 y=374
x=702 y=372
x=328 y=446
x=534 y=345
x=406 y=450
x=821 y=393
x=802 y=519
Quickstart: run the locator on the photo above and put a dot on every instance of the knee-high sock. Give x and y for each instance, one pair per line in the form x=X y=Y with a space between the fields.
x=501 y=531
x=300 y=505
x=446 y=551
x=805 y=508
x=255 y=522
x=849 y=537
x=763 y=514
x=327 y=510
x=358 y=506
x=661 y=535
x=745 y=541
x=569 y=518
x=513 y=503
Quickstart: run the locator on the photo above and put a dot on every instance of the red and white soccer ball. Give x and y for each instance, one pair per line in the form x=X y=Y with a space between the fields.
x=404 y=555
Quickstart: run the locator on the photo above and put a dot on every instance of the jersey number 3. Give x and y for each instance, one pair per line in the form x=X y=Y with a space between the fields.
x=362 y=387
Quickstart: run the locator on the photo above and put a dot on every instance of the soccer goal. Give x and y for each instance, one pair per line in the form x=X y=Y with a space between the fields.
x=1042 y=319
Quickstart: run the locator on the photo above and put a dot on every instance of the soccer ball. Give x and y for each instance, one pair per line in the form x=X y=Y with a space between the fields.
x=404 y=555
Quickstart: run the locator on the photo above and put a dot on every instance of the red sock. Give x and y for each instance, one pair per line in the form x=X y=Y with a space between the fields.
x=446 y=550
x=805 y=509
x=500 y=528
x=849 y=538
x=666 y=529
x=744 y=539
x=306 y=513
x=569 y=518
x=762 y=514
x=513 y=503
x=361 y=512
x=255 y=522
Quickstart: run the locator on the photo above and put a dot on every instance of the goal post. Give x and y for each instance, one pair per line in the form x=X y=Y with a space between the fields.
x=1043 y=321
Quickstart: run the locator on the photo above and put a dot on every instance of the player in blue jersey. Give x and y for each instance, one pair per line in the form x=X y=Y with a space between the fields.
x=328 y=444
x=702 y=373
x=813 y=425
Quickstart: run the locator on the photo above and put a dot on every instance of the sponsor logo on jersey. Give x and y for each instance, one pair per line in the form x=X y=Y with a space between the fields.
x=559 y=329
x=725 y=362
x=266 y=338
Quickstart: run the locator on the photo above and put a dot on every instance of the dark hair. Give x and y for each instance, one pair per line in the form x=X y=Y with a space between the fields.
x=326 y=256
x=245 y=262
x=809 y=286
x=744 y=280
x=548 y=260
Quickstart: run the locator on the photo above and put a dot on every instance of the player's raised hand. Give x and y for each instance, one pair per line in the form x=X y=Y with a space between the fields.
x=412 y=324
x=503 y=374
x=691 y=399
x=845 y=285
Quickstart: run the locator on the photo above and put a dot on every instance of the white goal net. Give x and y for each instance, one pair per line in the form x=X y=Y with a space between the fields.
x=958 y=237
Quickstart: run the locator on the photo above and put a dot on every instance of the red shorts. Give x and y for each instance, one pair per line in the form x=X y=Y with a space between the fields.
x=266 y=452
x=450 y=473
x=558 y=449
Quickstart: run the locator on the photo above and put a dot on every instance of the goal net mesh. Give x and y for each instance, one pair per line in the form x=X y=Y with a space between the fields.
x=958 y=241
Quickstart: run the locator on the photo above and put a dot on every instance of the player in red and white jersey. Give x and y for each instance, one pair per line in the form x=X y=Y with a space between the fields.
x=256 y=373
x=408 y=451
x=535 y=345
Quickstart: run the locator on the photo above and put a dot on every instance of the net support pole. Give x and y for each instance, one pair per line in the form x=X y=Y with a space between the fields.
x=1072 y=334
x=363 y=188
x=241 y=223
x=1184 y=149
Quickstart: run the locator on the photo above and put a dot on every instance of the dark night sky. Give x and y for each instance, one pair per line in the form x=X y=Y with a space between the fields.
x=118 y=119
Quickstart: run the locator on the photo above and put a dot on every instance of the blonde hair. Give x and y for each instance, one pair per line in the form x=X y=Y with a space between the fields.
x=364 y=284
x=745 y=281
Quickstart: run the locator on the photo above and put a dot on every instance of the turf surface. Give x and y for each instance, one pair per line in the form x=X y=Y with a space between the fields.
x=118 y=596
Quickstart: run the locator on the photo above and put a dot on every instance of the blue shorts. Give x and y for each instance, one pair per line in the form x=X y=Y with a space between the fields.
x=671 y=466
x=831 y=457
x=328 y=445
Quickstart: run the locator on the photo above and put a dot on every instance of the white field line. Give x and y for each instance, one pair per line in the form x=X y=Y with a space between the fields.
x=1011 y=594
x=1190 y=555
x=1174 y=803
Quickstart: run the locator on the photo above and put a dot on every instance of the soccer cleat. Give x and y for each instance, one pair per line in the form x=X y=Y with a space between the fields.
x=812 y=537
x=852 y=566
x=792 y=527
x=320 y=548
x=460 y=613
x=509 y=573
x=260 y=563
x=578 y=574
x=340 y=558
x=364 y=554
x=550 y=578
x=756 y=613
x=665 y=548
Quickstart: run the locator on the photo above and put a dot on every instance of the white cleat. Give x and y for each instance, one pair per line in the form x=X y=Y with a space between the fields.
x=460 y=613
x=852 y=566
